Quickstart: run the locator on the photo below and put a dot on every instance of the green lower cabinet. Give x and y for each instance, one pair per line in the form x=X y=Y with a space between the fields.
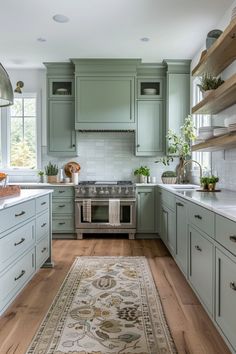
x=149 y=133
x=61 y=132
x=168 y=230
x=201 y=267
x=146 y=210
x=226 y=295
x=182 y=235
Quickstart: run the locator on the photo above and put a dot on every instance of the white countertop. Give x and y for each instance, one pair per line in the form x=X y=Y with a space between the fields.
x=222 y=203
x=37 y=184
x=25 y=194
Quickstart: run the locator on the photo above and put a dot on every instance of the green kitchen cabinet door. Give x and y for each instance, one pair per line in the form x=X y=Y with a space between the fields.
x=168 y=229
x=149 y=133
x=226 y=295
x=201 y=266
x=146 y=210
x=104 y=101
x=61 y=133
x=182 y=235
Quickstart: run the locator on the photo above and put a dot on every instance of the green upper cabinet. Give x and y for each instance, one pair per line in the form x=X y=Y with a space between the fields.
x=105 y=94
x=62 y=138
x=177 y=93
x=60 y=110
x=149 y=133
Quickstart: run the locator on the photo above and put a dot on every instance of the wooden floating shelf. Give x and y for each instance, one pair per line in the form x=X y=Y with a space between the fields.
x=219 y=99
x=227 y=141
x=220 y=55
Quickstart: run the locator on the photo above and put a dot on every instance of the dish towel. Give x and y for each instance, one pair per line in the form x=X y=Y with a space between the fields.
x=114 y=212
x=86 y=210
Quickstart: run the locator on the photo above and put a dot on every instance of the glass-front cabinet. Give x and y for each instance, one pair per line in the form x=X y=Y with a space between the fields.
x=150 y=89
x=61 y=88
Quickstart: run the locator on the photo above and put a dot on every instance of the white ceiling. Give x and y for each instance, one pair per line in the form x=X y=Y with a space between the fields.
x=105 y=29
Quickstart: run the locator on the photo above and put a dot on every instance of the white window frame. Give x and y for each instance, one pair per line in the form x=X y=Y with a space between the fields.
x=5 y=137
x=200 y=121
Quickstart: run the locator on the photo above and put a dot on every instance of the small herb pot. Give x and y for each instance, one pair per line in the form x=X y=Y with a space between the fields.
x=142 y=179
x=211 y=186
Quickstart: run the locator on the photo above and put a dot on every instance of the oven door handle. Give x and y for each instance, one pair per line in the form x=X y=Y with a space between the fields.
x=129 y=200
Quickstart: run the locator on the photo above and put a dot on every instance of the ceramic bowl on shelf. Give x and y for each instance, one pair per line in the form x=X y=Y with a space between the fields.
x=149 y=91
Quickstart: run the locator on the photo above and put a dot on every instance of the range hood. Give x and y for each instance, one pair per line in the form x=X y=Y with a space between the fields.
x=105 y=94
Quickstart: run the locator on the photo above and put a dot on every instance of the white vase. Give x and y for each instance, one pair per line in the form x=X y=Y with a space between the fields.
x=143 y=179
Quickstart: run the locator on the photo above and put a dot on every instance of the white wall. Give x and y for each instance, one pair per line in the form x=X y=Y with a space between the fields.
x=224 y=162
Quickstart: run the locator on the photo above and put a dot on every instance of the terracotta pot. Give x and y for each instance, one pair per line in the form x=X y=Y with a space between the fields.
x=206 y=93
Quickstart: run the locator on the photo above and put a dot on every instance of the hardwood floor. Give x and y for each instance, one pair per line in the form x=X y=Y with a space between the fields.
x=190 y=326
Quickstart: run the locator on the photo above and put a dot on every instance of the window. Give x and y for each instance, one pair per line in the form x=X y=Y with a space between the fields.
x=18 y=138
x=204 y=158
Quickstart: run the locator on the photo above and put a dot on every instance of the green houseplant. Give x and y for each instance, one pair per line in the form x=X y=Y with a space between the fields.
x=41 y=176
x=180 y=146
x=209 y=83
x=209 y=183
x=169 y=177
x=51 y=172
x=143 y=172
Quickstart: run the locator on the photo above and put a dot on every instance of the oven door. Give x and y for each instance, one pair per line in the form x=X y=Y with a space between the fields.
x=100 y=214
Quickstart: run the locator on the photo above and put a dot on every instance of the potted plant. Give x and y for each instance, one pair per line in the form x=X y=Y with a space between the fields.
x=209 y=83
x=41 y=176
x=209 y=183
x=169 y=177
x=180 y=146
x=51 y=172
x=143 y=172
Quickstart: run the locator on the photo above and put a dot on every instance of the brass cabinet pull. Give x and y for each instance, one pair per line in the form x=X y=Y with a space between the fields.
x=61 y=223
x=20 y=214
x=43 y=203
x=61 y=206
x=232 y=285
x=61 y=192
x=198 y=248
x=44 y=249
x=19 y=276
x=44 y=224
x=232 y=238
x=179 y=204
x=198 y=217
x=18 y=243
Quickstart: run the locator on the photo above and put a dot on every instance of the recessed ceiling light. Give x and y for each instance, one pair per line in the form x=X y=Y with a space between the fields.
x=145 y=39
x=60 y=18
x=40 y=39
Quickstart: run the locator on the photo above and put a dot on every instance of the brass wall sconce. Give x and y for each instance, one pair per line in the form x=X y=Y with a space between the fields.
x=19 y=86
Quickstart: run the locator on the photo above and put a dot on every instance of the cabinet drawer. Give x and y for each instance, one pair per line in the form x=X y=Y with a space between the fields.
x=42 y=251
x=201 y=267
x=15 y=277
x=63 y=206
x=226 y=233
x=63 y=192
x=42 y=225
x=63 y=224
x=226 y=296
x=202 y=218
x=42 y=203
x=14 y=215
x=14 y=244
x=168 y=199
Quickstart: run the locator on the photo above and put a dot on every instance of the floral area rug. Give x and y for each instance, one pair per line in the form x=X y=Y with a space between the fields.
x=106 y=305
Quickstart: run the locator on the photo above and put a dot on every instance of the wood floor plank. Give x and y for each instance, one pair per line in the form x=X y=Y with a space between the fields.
x=192 y=330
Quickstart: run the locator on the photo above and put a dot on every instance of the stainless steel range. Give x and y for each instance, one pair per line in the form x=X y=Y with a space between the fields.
x=105 y=207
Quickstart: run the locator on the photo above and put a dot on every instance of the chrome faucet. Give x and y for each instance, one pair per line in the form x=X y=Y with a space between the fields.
x=191 y=161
